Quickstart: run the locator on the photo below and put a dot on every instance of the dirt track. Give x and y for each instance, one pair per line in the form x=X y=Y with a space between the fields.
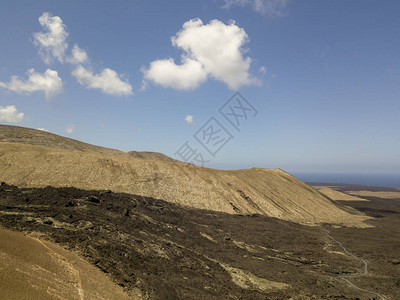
x=364 y=271
x=34 y=269
x=162 y=251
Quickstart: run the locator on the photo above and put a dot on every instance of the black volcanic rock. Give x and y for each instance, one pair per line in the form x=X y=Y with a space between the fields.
x=169 y=251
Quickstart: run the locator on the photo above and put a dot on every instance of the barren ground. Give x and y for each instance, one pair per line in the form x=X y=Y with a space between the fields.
x=31 y=268
x=163 y=251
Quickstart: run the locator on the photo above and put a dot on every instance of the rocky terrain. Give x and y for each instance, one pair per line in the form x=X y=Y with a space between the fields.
x=32 y=268
x=37 y=159
x=158 y=250
x=152 y=227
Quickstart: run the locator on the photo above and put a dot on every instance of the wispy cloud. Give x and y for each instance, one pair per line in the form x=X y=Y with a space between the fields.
x=79 y=56
x=10 y=114
x=271 y=8
x=70 y=128
x=209 y=50
x=190 y=120
x=49 y=82
x=52 y=43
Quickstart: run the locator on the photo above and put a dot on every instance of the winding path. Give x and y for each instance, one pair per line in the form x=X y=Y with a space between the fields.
x=64 y=260
x=364 y=272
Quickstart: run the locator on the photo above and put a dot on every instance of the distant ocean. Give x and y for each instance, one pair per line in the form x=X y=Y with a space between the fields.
x=384 y=180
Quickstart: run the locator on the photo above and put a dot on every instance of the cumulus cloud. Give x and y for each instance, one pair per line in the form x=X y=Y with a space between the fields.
x=10 y=114
x=52 y=43
x=49 y=82
x=271 y=8
x=70 y=129
x=78 y=56
x=190 y=120
x=108 y=81
x=189 y=75
x=214 y=49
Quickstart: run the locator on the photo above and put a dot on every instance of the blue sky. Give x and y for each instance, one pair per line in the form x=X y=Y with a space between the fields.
x=324 y=77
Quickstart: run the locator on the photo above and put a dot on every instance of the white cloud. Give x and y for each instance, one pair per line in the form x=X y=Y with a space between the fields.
x=78 y=56
x=108 y=81
x=48 y=82
x=189 y=75
x=52 y=44
x=271 y=8
x=190 y=120
x=9 y=114
x=214 y=49
x=262 y=70
x=43 y=129
x=70 y=129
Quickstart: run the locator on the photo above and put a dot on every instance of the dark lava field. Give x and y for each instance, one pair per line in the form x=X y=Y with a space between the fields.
x=159 y=250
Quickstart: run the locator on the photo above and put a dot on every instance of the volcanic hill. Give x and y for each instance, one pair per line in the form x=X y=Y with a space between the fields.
x=34 y=158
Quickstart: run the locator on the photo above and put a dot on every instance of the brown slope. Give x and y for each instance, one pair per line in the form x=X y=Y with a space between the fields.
x=151 y=155
x=170 y=252
x=31 y=268
x=22 y=135
x=262 y=191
